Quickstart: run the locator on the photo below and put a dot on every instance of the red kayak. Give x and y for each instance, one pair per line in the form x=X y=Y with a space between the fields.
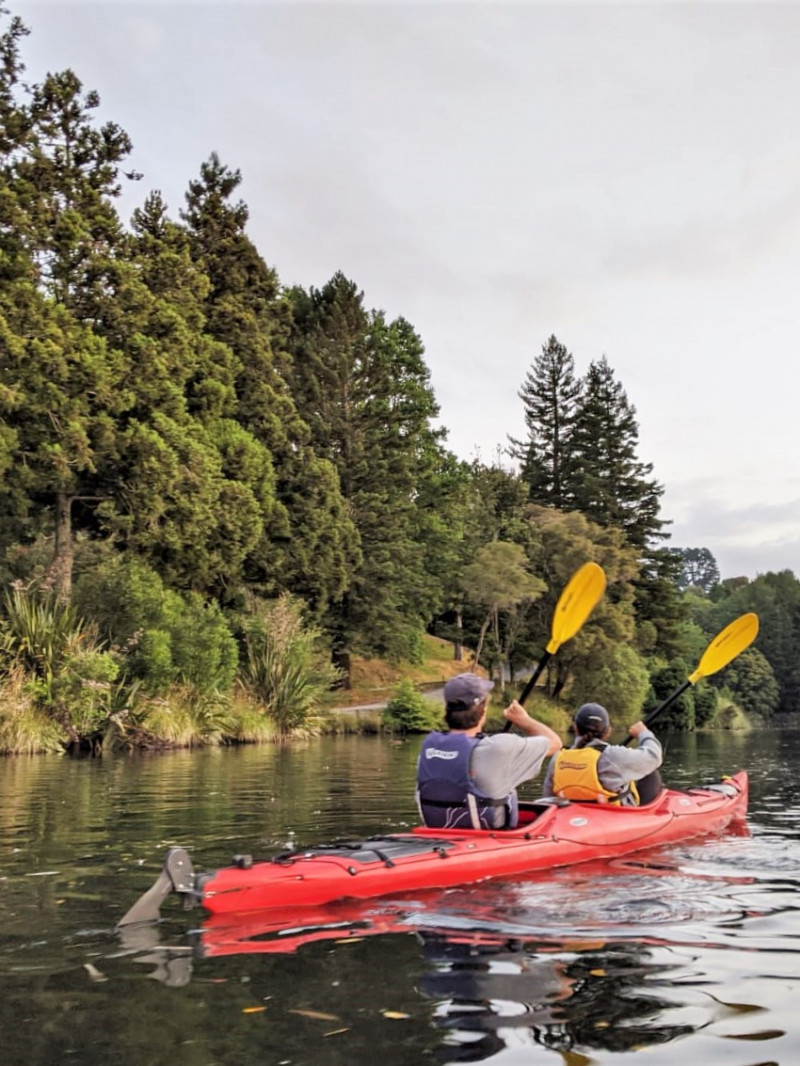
x=551 y=833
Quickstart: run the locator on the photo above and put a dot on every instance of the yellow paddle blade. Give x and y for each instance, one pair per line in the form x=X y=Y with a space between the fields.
x=581 y=595
x=726 y=645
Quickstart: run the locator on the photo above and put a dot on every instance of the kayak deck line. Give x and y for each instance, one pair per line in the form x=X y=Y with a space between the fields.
x=552 y=833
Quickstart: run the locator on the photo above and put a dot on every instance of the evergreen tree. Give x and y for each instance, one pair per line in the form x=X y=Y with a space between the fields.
x=659 y=605
x=607 y=481
x=549 y=393
x=61 y=386
x=775 y=598
x=308 y=538
x=699 y=569
x=194 y=485
x=71 y=174
x=361 y=385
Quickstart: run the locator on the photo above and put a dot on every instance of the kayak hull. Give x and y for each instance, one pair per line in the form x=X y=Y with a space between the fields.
x=549 y=836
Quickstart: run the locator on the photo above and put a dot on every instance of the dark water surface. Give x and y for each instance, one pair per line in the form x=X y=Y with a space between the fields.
x=690 y=953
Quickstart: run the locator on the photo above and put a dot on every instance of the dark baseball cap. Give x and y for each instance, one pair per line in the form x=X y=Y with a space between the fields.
x=467 y=689
x=592 y=718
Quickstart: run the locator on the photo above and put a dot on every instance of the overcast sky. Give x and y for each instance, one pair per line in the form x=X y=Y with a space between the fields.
x=624 y=176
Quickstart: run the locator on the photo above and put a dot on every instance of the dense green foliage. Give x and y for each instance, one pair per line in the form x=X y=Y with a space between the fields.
x=408 y=711
x=209 y=478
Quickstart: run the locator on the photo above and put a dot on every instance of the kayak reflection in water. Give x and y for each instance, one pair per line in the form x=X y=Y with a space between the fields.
x=593 y=770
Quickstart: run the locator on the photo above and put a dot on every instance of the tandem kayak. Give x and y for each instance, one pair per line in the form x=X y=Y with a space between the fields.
x=551 y=833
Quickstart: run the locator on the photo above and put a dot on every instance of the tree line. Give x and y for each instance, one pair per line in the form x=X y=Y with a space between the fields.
x=198 y=462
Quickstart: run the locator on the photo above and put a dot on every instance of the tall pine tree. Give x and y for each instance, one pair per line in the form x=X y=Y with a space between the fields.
x=608 y=482
x=362 y=386
x=549 y=395
x=308 y=535
x=61 y=386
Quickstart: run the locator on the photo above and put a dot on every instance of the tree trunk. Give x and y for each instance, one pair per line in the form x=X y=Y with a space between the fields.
x=341 y=659
x=458 y=647
x=61 y=567
x=479 y=649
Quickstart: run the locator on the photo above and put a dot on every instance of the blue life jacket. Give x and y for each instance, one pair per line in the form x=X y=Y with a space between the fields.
x=447 y=795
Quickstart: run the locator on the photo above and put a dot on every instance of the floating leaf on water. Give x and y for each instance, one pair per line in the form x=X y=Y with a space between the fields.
x=94 y=973
x=314 y=1014
x=736 y=1008
x=763 y=1034
x=574 y=1058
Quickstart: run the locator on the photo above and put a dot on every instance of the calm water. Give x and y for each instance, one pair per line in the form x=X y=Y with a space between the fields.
x=690 y=951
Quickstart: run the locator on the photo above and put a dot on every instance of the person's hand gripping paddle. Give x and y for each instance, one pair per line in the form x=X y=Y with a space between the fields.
x=723 y=649
x=581 y=594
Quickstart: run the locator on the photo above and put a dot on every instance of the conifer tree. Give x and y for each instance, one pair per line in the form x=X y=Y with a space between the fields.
x=608 y=483
x=60 y=384
x=549 y=395
x=362 y=386
x=194 y=485
x=308 y=535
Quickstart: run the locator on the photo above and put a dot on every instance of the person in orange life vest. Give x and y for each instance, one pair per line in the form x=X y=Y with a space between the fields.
x=595 y=771
x=468 y=780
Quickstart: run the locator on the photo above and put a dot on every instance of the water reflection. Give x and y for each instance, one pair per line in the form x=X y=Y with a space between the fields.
x=489 y=997
x=692 y=948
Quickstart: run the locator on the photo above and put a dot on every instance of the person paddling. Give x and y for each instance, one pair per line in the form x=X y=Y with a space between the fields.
x=466 y=779
x=593 y=770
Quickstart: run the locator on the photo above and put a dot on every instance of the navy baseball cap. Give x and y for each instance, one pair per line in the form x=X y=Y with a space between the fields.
x=467 y=689
x=592 y=718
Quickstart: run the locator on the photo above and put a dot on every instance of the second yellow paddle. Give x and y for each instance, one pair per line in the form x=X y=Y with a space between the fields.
x=723 y=649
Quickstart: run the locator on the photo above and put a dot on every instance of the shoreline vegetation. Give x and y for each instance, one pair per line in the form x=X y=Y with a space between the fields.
x=384 y=697
x=221 y=495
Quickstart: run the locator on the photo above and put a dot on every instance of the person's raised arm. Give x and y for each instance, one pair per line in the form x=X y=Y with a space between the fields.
x=518 y=716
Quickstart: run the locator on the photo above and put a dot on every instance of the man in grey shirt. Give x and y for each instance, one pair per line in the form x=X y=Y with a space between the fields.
x=594 y=770
x=466 y=779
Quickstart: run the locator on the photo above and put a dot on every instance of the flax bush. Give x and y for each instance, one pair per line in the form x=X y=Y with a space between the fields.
x=67 y=673
x=286 y=666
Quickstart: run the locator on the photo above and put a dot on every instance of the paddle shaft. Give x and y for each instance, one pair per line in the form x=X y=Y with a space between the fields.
x=537 y=673
x=651 y=717
x=532 y=681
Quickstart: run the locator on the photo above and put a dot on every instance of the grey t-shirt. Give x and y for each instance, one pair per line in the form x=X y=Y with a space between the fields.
x=618 y=765
x=503 y=760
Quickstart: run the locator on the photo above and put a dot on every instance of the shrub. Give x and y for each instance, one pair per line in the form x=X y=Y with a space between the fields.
x=250 y=724
x=408 y=711
x=619 y=681
x=285 y=665
x=67 y=673
x=706 y=698
x=188 y=719
x=164 y=637
x=24 y=728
